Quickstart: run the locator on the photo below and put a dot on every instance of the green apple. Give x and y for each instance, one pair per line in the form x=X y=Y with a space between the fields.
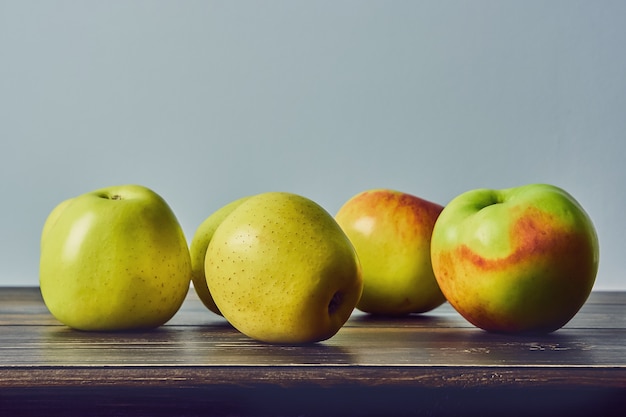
x=198 y=248
x=521 y=259
x=281 y=270
x=114 y=259
x=391 y=233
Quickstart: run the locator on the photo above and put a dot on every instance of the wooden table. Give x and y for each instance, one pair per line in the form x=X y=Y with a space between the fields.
x=432 y=364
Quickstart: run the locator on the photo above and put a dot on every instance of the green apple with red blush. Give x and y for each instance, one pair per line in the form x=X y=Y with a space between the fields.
x=516 y=260
x=391 y=232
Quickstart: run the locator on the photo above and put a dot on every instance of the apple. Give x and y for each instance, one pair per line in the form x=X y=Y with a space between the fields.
x=516 y=260
x=281 y=270
x=114 y=259
x=198 y=248
x=391 y=233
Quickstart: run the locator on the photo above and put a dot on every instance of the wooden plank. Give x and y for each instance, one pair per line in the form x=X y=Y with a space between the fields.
x=327 y=376
x=360 y=346
x=198 y=338
x=432 y=340
x=432 y=364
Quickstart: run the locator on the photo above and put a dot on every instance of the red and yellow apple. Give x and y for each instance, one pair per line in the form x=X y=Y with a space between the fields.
x=391 y=233
x=515 y=260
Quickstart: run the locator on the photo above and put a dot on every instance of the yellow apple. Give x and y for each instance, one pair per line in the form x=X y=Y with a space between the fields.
x=114 y=259
x=281 y=270
x=522 y=259
x=198 y=248
x=391 y=233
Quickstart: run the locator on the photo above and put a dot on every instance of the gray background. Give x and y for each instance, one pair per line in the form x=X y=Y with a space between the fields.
x=207 y=101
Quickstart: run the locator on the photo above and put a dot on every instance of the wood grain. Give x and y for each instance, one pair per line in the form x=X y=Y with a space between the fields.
x=431 y=364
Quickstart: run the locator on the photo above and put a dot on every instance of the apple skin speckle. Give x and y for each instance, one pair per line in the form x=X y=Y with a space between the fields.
x=290 y=257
